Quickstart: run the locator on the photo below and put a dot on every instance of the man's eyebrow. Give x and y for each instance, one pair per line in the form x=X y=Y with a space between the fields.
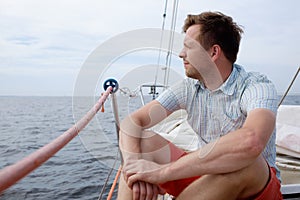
x=190 y=42
x=187 y=42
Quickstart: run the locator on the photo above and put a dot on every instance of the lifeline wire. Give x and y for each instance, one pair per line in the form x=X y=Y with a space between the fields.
x=108 y=176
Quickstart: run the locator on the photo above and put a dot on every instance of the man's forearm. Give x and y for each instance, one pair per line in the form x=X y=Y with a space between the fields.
x=130 y=147
x=130 y=134
x=232 y=151
x=229 y=153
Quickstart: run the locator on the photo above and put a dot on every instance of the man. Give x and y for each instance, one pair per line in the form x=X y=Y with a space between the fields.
x=232 y=111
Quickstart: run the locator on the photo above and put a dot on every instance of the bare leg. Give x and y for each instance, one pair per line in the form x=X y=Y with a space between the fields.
x=124 y=192
x=241 y=184
x=155 y=148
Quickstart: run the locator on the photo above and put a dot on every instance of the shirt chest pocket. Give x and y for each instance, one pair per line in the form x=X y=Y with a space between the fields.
x=233 y=119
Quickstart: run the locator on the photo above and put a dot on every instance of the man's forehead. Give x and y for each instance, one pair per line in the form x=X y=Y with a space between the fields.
x=190 y=41
x=192 y=34
x=193 y=31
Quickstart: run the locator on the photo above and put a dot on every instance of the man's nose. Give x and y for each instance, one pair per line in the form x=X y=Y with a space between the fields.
x=182 y=53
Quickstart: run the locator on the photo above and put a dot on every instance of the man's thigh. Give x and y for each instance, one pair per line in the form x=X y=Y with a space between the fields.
x=241 y=184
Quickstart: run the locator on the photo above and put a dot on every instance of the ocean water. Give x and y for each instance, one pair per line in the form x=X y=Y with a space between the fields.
x=80 y=169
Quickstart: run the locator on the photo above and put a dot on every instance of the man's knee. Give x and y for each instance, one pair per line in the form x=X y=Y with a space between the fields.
x=230 y=180
x=238 y=184
x=256 y=177
x=251 y=178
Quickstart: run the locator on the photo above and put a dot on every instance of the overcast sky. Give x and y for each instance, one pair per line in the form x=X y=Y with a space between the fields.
x=44 y=44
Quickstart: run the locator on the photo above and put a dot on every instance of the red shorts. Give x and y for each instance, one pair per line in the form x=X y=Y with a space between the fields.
x=271 y=191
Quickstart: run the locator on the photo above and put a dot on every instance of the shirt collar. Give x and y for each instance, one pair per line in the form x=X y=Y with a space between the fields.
x=199 y=85
x=228 y=86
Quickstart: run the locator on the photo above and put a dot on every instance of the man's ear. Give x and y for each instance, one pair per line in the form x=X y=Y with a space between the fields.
x=215 y=51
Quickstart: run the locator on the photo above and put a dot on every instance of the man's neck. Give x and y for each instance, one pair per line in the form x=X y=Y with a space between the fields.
x=217 y=75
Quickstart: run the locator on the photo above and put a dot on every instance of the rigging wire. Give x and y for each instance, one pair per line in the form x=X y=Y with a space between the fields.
x=283 y=97
x=161 y=40
x=171 y=42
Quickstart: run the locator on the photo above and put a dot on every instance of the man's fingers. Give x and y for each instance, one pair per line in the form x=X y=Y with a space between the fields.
x=136 y=191
x=128 y=174
x=150 y=192
x=133 y=178
x=143 y=190
x=154 y=191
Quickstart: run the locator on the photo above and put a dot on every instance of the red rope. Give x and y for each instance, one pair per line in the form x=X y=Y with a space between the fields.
x=13 y=173
x=114 y=184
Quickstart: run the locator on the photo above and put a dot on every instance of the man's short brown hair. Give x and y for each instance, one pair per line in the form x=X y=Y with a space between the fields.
x=217 y=28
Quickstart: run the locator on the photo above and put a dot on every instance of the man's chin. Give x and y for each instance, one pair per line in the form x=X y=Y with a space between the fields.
x=193 y=76
x=189 y=75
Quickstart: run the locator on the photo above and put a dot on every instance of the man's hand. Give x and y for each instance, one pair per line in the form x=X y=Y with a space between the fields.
x=144 y=170
x=143 y=177
x=146 y=191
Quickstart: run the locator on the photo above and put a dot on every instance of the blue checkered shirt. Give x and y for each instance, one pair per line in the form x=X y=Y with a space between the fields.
x=213 y=114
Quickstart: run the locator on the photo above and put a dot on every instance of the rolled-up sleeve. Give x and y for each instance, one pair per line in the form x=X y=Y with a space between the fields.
x=174 y=98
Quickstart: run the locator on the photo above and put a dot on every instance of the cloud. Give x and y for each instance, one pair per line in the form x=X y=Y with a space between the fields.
x=38 y=36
